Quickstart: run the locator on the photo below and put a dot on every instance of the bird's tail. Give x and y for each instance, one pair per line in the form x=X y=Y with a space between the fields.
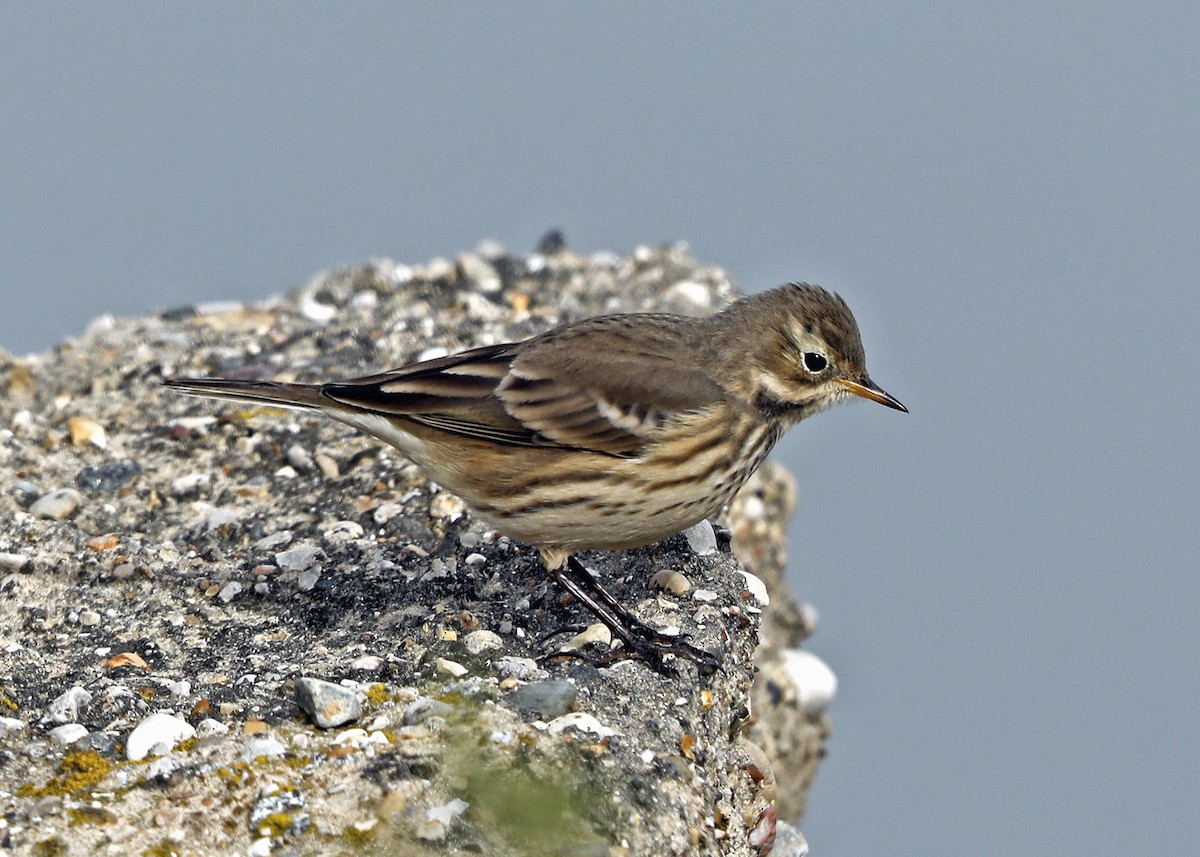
x=274 y=393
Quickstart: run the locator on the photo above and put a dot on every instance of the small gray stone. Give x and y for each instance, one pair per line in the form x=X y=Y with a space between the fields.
x=328 y=704
x=59 y=504
x=107 y=477
x=230 y=591
x=546 y=699
x=422 y=708
x=25 y=492
x=297 y=559
x=308 y=579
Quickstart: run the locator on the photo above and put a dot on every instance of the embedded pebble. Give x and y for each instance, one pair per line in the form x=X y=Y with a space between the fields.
x=256 y=746
x=546 y=699
x=299 y=458
x=260 y=847
x=525 y=669
x=597 y=632
x=343 y=531
x=366 y=663
x=157 y=734
x=430 y=831
x=297 y=559
x=453 y=668
x=328 y=704
x=756 y=587
x=230 y=591
x=482 y=641
x=59 y=504
x=672 y=581
x=789 y=841
x=447 y=812
x=582 y=721
x=327 y=465
x=208 y=726
x=65 y=708
x=423 y=708
x=189 y=484
x=705 y=595
x=448 y=506
x=386 y=511
x=11 y=725
x=182 y=687
x=274 y=540
x=308 y=579
x=13 y=561
x=222 y=516
x=84 y=430
x=107 y=477
x=22 y=423
x=815 y=682
x=475 y=560
x=701 y=538
x=89 y=618
x=67 y=734
x=25 y=492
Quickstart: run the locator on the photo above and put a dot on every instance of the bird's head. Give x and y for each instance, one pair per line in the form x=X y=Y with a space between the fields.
x=810 y=354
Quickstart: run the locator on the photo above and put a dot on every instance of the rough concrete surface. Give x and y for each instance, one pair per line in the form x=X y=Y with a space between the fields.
x=188 y=587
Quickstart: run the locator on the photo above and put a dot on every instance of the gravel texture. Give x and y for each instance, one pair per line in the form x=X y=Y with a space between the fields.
x=188 y=588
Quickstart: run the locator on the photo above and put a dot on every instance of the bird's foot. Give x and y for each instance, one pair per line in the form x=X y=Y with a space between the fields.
x=638 y=640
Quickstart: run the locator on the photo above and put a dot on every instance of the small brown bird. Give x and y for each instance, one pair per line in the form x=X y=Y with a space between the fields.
x=609 y=433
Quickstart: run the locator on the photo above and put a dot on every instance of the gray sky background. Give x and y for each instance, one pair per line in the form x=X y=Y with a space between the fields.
x=1007 y=194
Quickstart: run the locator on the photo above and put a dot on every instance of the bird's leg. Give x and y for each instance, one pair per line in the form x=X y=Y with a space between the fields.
x=638 y=639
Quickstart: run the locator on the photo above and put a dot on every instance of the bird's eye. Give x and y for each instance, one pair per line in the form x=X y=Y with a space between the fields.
x=815 y=362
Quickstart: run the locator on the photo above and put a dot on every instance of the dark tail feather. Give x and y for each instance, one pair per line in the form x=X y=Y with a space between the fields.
x=276 y=394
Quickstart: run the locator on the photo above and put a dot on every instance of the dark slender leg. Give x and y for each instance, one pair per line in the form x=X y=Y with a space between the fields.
x=638 y=639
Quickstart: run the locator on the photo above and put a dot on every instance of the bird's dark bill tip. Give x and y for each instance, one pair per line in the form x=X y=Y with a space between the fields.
x=868 y=389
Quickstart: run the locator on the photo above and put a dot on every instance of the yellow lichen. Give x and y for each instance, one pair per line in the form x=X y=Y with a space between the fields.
x=275 y=825
x=377 y=694
x=77 y=771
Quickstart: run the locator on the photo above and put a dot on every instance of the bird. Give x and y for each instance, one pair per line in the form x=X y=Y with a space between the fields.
x=607 y=433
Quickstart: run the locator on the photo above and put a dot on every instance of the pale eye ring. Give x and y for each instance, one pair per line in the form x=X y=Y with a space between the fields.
x=815 y=362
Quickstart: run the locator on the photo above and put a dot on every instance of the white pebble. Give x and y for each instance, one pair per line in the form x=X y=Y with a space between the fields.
x=230 y=591
x=582 y=721
x=67 y=734
x=814 y=681
x=705 y=595
x=209 y=726
x=58 y=504
x=366 y=663
x=447 y=812
x=343 y=531
x=454 y=668
x=157 y=734
x=756 y=587
x=189 y=483
x=481 y=641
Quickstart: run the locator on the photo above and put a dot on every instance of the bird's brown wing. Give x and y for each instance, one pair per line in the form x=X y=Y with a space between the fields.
x=605 y=385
